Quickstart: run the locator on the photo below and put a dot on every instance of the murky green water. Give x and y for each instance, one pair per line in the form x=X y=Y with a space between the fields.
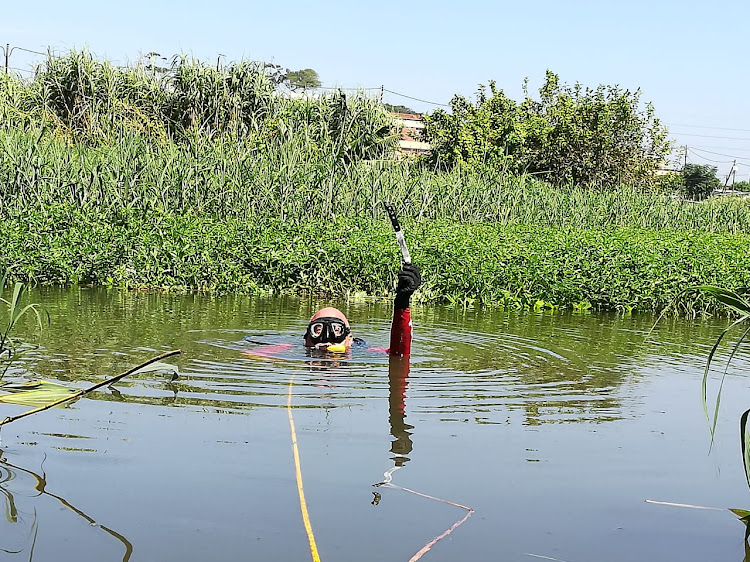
x=553 y=428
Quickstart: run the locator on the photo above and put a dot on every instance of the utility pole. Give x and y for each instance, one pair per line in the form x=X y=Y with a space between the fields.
x=7 y=56
x=732 y=174
x=684 y=165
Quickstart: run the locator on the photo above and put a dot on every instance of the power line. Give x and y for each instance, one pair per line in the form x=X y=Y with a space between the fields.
x=415 y=99
x=717 y=154
x=29 y=51
x=348 y=89
x=711 y=136
x=714 y=161
x=708 y=127
x=722 y=148
x=709 y=152
x=710 y=160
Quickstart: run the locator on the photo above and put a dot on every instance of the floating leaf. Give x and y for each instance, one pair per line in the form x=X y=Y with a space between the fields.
x=42 y=393
x=744 y=516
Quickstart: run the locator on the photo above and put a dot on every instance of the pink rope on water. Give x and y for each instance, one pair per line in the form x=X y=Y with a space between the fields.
x=447 y=532
x=422 y=551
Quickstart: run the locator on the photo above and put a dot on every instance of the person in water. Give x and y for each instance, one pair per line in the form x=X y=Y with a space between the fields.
x=329 y=328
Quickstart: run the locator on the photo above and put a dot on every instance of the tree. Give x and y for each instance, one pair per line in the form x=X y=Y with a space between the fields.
x=700 y=180
x=570 y=135
x=303 y=79
x=399 y=109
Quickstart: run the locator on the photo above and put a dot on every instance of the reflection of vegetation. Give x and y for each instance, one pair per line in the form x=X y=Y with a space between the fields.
x=8 y=475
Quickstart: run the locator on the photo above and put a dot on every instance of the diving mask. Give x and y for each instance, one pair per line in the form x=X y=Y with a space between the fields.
x=326 y=329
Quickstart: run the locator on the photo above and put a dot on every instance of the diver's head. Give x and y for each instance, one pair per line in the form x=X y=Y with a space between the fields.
x=328 y=326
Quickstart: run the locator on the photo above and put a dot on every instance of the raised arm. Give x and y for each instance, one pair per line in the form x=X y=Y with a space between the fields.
x=409 y=280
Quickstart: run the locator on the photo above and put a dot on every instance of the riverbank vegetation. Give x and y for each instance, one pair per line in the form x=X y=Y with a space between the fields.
x=209 y=178
x=471 y=264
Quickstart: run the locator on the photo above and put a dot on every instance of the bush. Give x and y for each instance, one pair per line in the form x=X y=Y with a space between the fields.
x=670 y=183
x=571 y=135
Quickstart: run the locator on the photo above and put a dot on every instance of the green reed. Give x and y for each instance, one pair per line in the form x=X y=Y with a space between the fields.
x=227 y=141
x=12 y=311
x=296 y=178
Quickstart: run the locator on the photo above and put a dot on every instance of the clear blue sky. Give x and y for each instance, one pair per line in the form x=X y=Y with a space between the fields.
x=688 y=58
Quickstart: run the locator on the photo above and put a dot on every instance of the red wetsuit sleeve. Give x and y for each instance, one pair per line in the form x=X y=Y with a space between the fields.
x=401 y=332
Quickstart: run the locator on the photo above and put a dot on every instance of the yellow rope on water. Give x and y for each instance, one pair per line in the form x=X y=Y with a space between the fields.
x=302 y=502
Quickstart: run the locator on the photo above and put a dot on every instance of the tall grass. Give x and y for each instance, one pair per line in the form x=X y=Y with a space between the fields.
x=227 y=142
x=295 y=178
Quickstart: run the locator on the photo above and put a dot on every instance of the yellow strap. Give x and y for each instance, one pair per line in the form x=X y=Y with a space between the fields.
x=302 y=502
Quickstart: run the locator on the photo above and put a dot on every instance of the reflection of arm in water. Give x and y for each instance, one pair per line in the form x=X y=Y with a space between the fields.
x=398 y=381
x=409 y=280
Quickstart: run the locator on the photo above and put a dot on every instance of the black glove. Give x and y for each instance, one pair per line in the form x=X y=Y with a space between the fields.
x=409 y=280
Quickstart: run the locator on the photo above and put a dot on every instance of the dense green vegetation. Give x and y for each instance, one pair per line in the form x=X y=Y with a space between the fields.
x=699 y=180
x=513 y=265
x=211 y=178
x=569 y=135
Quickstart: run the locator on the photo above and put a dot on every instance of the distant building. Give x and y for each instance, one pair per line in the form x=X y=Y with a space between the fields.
x=664 y=169
x=412 y=128
x=667 y=171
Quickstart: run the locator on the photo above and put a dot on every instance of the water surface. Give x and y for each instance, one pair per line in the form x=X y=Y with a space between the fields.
x=554 y=428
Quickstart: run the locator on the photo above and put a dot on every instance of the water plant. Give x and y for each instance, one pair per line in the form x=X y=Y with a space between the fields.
x=740 y=306
x=11 y=347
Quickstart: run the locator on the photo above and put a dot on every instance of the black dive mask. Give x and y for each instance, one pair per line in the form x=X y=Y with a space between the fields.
x=327 y=329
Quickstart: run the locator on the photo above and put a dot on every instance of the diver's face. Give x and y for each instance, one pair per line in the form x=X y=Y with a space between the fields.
x=327 y=330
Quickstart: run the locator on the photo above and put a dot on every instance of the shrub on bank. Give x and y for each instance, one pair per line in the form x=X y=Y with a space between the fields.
x=486 y=264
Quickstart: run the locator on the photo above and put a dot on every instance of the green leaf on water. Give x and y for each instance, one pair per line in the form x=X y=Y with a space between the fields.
x=37 y=393
x=41 y=393
x=744 y=516
x=14 y=386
